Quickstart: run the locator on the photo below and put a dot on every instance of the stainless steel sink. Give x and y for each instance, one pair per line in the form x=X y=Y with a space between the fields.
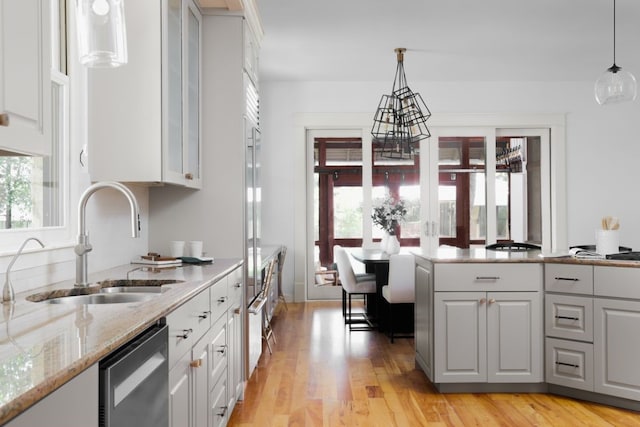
x=106 y=292
x=102 y=298
x=133 y=289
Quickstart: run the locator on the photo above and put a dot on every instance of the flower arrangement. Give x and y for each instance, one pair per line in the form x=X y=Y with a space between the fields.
x=388 y=214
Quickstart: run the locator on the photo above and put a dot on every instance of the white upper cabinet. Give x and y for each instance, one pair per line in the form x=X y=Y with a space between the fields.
x=25 y=76
x=144 y=117
x=251 y=53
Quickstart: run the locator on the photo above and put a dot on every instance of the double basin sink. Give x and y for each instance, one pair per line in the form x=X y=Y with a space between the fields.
x=106 y=292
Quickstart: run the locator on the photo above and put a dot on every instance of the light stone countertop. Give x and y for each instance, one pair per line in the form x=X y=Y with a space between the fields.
x=481 y=255
x=43 y=346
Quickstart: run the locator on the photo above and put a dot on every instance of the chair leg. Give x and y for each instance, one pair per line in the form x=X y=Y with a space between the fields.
x=283 y=299
x=344 y=304
x=391 y=321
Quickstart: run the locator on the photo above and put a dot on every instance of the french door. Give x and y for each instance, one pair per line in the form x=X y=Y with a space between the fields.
x=486 y=184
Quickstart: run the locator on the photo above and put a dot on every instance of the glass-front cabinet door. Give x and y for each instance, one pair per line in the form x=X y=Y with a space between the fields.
x=182 y=88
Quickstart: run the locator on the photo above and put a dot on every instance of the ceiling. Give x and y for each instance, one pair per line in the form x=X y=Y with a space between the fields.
x=447 y=40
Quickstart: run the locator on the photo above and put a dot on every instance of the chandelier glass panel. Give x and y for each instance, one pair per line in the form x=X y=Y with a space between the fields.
x=400 y=120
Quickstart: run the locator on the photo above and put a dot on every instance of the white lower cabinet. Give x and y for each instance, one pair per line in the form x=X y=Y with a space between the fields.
x=235 y=316
x=488 y=337
x=73 y=404
x=617 y=347
x=200 y=394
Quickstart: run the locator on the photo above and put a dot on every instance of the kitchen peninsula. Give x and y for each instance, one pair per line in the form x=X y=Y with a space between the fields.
x=47 y=346
x=491 y=321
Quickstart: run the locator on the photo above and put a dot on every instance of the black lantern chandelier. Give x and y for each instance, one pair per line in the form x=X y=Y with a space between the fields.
x=400 y=120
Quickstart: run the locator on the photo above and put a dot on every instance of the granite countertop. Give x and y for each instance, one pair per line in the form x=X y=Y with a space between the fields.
x=43 y=346
x=479 y=255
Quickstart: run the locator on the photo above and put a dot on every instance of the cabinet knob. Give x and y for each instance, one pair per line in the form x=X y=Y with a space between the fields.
x=196 y=363
x=237 y=285
x=221 y=300
x=482 y=300
x=237 y=311
x=204 y=314
x=223 y=411
x=222 y=349
x=4 y=119
x=491 y=301
x=188 y=176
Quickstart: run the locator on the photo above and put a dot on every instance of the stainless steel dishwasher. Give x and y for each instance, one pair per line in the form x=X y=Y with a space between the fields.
x=134 y=382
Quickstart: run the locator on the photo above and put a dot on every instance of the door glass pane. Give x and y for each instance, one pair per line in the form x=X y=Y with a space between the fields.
x=518 y=188
x=174 y=76
x=502 y=206
x=410 y=228
x=449 y=151
x=447 y=202
x=193 y=88
x=477 y=207
x=347 y=218
x=379 y=194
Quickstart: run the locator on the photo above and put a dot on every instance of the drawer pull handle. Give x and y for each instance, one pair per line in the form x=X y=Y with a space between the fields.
x=224 y=411
x=222 y=349
x=487 y=278
x=568 y=279
x=196 y=363
x=222 y=300
x=185 y=334
x=567 y=318
x=204 y=314
x=571 y=365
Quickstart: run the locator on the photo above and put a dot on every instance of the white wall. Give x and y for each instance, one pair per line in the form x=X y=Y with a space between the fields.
x=602 y=148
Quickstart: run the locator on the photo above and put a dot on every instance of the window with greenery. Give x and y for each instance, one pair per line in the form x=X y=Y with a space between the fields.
x=338 y=195
x=30 y=186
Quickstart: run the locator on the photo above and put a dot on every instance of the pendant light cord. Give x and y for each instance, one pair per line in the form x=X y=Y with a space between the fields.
x=614 y=32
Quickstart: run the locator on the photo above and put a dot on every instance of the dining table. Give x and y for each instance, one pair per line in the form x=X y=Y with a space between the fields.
x=376 y=261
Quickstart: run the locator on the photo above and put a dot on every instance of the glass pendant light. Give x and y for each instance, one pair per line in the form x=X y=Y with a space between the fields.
x=615 y=85
x=102 y=38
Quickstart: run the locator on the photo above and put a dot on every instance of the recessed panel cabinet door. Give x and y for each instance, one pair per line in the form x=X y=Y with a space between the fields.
x=25 y=76
x=460 y=337
x=617 y=347
x=514 y=346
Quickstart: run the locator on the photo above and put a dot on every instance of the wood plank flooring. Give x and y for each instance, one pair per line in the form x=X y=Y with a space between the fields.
x=320 y=374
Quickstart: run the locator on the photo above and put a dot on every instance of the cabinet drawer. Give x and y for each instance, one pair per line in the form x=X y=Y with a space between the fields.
x=618 y=282
x=218 y=399
x=572 y=279
x=219 y=299
x=459 y=277
x=187 y=324
x=569 y=363
x=234 y=285
x=569 y=317
x=218 y=349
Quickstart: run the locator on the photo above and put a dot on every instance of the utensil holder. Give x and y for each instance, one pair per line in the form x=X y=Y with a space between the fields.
x=607 y=241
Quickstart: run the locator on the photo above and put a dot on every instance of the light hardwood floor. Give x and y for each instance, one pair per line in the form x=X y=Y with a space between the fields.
x=320 y=374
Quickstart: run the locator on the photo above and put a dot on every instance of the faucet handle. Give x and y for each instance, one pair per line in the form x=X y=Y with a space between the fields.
x=82 y=248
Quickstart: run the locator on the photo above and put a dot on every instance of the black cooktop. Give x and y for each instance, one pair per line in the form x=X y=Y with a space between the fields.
x=625 y=256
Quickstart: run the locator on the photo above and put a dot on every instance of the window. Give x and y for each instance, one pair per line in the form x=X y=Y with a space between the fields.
x=32 y=187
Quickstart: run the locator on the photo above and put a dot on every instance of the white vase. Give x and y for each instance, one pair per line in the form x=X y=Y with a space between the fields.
x=384 y=241
x=393 y=245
